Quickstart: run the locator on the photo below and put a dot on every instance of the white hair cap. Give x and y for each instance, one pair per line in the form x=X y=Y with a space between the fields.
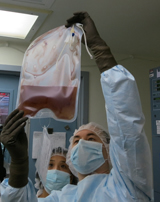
x=101 y=132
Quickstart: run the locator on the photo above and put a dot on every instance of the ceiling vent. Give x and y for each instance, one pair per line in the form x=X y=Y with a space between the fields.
x=43 y=4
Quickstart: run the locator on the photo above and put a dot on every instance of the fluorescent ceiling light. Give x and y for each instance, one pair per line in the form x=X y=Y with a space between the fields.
x=16 y=25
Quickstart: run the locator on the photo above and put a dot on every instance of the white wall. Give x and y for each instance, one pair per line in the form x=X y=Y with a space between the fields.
x=138 y=67
x=11 y=54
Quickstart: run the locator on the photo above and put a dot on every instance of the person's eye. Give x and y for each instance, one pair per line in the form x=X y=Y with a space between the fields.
x=64 y=166
x=51 y=164
x=91 y=139
x=75 y=142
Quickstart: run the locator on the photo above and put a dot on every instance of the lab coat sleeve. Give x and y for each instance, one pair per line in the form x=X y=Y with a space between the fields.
x=129 y=149
x=11 y=194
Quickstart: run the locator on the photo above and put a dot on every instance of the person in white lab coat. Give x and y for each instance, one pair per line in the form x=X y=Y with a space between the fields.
x=90 y=151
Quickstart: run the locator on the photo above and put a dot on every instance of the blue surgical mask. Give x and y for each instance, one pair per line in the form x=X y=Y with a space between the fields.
x=87 y=156
x=56 y=180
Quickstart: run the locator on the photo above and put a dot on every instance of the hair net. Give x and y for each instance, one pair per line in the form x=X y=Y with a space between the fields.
x=101 y=132
x=59 y=151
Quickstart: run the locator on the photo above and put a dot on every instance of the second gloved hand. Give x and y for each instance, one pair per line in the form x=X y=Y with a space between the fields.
x=14 y=139
x=103 y=56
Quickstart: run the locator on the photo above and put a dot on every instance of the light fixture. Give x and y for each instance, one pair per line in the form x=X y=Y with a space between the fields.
x=15 y=24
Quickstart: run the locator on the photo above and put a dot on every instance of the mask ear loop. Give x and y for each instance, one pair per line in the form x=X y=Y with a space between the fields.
x=105 y=159
x=108 y=159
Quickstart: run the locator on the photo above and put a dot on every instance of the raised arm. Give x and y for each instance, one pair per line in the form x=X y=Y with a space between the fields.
x=129 y=148
x=14 y=139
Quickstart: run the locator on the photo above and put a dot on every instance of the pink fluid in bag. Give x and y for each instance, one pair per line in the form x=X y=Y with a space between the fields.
x=60 y=99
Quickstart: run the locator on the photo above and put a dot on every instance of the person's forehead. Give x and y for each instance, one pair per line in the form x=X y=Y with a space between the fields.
x=86 y=133
x=58 y=158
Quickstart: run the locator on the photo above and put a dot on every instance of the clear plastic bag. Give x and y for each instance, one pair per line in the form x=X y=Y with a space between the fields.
x=50 y=75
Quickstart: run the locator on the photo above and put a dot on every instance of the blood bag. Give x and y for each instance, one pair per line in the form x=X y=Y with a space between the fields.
x=50 y=76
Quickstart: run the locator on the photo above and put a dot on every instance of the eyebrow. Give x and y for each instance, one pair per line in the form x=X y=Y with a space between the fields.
x=77 y=136
x=91 y=134
x=60 y=161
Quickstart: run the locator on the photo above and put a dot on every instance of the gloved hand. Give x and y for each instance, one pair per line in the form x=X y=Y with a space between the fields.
x=14 y=139
x=101 y=51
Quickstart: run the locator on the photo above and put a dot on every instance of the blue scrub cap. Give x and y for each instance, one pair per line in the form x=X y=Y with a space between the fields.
x=101 y=132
